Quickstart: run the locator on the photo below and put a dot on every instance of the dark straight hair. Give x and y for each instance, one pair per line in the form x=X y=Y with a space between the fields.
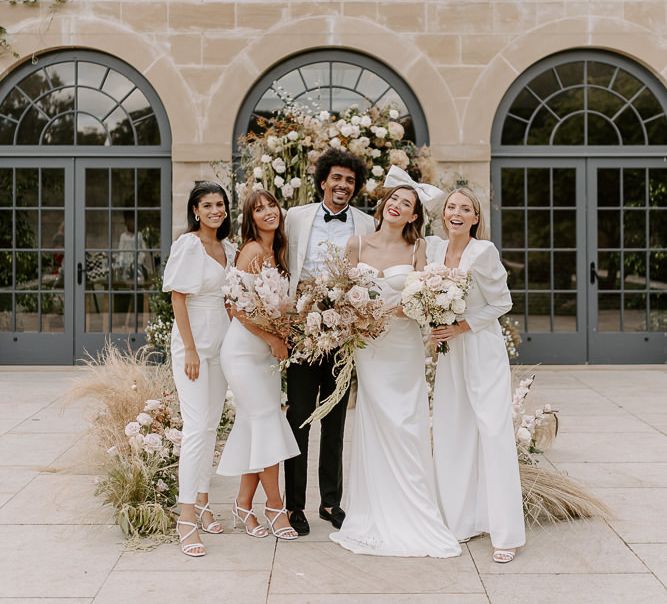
x=249 y=231
x=202 y=188
x=412 y=230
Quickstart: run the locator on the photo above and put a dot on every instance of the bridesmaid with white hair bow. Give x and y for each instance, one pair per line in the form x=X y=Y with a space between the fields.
x=392 y=506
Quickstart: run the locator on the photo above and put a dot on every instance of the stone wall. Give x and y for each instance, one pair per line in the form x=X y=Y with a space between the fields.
x=459 y=56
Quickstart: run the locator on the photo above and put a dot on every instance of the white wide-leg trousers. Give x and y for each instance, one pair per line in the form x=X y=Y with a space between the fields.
x=475 y=453
x=201 y=401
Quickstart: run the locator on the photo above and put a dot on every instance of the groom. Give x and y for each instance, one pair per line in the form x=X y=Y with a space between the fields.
x=339 y=175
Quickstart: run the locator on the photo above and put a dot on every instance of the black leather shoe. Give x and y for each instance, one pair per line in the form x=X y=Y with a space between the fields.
x=335 y=516
x=299 y=522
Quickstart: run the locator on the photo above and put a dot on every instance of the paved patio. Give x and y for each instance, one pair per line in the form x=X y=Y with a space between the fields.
x=59 y=545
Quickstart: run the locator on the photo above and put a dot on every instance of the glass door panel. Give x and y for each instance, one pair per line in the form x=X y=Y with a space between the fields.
x=538 y=224
x=628 y=253
x=36 y=251
x=120 y=248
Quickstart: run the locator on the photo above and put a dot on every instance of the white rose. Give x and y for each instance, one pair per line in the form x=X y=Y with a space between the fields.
x=132 y=428
x=371 y=185
x=313 y=321
x=523 y=435
x=458 y=306
x=358 y=295
x=287 y=191
x=356 y=120
x=173 y=435
x=279 y=181
x=379 y=131
x=398 y=157
x=335 y=142
x=258 y=186
x=396 y=131
x=365 y=121
x=152 y=405
x=266 y=158
x=295 y=182
x=347 y=130
x=448 y=317
x=332 y=131
x=354 y=272
x=375 y=153
x=278 y=165
x=258 y=172
x=324 y=115
x=292 y=135
x=377 y=171
x=144 y=419
x=153 y=443
x=363 y=141
x=393 y=114
x=330 y=317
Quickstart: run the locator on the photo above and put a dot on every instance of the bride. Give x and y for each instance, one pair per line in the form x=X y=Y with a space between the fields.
x=391 y=495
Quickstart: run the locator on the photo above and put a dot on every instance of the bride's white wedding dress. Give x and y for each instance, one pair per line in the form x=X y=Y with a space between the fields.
x=391 y=499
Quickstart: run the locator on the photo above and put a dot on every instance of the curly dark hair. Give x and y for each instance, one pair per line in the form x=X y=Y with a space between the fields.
x=202 y=188
x=344 y=159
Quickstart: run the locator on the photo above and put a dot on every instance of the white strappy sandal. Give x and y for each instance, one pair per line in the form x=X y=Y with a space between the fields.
x=259 y=531
x=213 y=525
x=287 y=532
x=503 y=556
x=188 y=547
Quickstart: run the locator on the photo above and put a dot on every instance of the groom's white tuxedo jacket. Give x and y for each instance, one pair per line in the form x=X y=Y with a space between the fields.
x=298 y=225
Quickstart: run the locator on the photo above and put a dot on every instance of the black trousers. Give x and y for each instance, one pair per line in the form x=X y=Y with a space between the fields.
x=304 y=383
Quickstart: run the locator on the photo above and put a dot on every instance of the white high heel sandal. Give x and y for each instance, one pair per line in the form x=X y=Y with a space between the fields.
x=287 y=532
x=259 y=531
x=213 y=525
x=188 y=547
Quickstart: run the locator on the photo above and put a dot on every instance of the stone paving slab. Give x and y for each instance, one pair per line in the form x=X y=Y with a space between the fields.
x=59 y=544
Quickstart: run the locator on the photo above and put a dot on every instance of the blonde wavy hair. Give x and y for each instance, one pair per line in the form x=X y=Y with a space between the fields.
x=478 y=231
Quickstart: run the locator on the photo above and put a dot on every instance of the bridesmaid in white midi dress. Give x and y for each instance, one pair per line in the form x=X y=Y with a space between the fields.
x=473 y=436
x=261 y=437
x=194 y=274
x=392 y=507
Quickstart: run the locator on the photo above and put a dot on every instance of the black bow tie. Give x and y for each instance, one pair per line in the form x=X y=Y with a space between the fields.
x=342 y=216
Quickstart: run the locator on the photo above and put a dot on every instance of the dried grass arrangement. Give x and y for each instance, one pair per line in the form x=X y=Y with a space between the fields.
x=551 y=496
x=138 y=428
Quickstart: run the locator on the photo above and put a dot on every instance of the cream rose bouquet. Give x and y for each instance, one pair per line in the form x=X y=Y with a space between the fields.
x=436 y=296
x=262 y=297
x=337 y=312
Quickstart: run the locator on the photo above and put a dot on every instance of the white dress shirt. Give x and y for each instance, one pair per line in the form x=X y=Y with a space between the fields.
x=336 y=231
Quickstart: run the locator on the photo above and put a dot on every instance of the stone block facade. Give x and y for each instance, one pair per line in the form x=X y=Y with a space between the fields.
x=458 y=56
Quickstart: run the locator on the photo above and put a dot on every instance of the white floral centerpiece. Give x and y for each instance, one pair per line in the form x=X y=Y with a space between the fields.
x=281 y=159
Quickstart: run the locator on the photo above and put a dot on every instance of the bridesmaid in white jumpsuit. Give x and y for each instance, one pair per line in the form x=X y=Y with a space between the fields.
x=474 y=448
x=195 y=273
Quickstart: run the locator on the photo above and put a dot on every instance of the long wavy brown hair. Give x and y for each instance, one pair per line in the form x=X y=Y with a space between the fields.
x=412 y=230
x=249 y=231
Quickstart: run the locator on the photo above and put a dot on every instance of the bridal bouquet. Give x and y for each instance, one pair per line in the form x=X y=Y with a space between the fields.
x=436 y=296
x=340 y=310
x=262 y=297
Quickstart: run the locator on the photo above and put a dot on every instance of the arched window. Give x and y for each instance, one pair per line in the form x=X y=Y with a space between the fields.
x=580 y=208
x=332 y=80
x=85 y=205
x=584 y=101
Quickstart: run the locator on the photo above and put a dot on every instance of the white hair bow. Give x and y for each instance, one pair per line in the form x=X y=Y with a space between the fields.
x=428 y=194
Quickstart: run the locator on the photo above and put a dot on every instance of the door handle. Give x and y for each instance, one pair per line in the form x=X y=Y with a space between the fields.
x=79 y=273
x=593 y=274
